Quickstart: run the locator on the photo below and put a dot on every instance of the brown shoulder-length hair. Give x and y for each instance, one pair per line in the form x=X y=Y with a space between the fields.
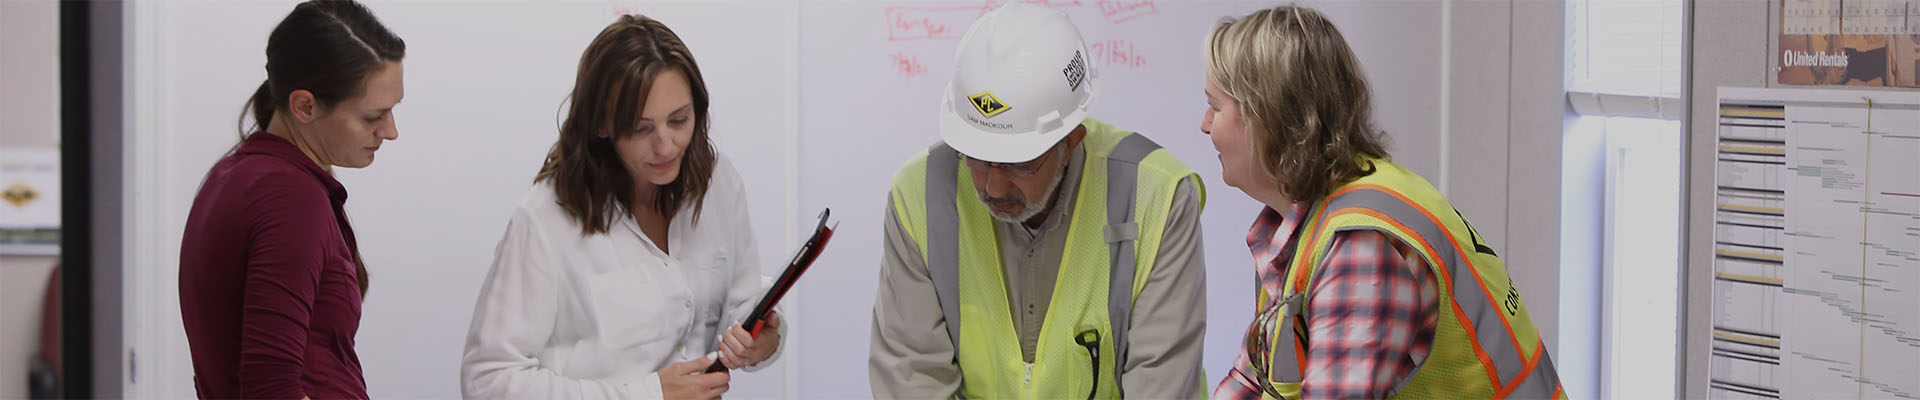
x=616 y=73
x=1302 y=95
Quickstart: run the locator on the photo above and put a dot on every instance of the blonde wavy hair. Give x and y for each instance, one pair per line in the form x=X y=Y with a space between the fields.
x=1302 y=95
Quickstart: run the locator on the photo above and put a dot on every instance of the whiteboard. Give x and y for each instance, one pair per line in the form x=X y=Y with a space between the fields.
x=816 y=102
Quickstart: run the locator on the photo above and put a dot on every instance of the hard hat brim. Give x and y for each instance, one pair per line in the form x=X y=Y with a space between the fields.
x=1000 y=147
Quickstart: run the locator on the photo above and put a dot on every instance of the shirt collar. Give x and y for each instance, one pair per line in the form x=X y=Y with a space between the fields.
x=1267 y=239
x=271 y=145
x=1274 y=228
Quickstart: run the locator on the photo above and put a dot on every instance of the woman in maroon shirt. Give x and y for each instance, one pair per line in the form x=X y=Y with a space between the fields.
x=270 y=276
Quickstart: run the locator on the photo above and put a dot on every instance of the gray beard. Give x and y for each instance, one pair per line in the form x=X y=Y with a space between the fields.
x=1033 y=208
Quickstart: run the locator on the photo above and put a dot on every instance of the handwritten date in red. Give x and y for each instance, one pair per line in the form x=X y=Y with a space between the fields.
x=907 y=66
x=1118 y=52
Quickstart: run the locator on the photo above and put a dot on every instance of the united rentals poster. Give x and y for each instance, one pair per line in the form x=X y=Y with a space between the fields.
x=1850 y=42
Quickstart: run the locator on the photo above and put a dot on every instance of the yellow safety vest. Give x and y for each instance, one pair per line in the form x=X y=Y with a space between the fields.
x=1120 y=210
x=1484 y=346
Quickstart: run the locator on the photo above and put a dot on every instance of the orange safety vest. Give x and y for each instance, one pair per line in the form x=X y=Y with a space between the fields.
x=1484 y=347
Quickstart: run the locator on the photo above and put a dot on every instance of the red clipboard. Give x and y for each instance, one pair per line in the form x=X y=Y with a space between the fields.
x=801 y=260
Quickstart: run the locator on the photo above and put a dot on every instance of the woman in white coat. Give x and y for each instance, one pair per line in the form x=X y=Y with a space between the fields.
x=633 y=250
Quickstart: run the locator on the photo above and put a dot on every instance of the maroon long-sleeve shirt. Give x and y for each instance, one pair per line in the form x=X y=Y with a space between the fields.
x=268 y=289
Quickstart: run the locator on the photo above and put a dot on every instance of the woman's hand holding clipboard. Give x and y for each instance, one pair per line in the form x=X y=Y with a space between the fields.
x=802 y=259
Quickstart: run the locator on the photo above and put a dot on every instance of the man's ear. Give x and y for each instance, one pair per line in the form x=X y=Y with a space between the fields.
x=1073 y=138
x=304 y=107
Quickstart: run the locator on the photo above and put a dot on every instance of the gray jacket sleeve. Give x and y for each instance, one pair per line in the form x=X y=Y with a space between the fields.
x=1170 y=315
x=912 y=355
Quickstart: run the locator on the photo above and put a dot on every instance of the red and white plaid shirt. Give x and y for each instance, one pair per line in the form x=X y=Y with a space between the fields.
x=1371 y=314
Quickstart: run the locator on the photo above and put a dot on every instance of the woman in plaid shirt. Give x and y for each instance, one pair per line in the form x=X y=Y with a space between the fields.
x=1290 y=114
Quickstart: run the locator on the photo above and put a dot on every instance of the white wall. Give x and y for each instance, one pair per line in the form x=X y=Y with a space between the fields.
x=1506 y=113
x=30 y=73
x=1506 y=152
x=29 y=118
x=810 y=101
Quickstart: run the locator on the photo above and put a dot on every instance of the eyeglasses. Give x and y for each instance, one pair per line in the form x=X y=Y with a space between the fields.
x=1022 y=170
x=1257 y=346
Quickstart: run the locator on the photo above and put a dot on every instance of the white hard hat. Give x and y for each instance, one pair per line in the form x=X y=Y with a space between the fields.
x=1022 y=81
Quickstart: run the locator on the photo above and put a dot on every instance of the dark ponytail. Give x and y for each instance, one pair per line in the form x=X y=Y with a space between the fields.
x=325 y=47
x=260 y=105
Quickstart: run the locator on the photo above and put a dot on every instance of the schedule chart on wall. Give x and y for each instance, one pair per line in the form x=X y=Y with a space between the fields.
x=1816 y=245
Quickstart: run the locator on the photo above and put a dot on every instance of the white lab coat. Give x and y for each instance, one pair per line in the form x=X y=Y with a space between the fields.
x=568 y=316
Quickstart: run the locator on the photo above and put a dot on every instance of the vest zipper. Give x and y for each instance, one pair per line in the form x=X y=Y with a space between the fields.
x=1028 y=391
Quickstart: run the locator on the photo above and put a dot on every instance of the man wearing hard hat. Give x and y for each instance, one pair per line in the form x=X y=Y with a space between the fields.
x=1035 y=252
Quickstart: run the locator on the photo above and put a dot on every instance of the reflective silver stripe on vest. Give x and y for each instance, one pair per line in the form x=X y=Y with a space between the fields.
x=1475 y=307
x=943 y=233
x=1542 y=383
x=1123 y=169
